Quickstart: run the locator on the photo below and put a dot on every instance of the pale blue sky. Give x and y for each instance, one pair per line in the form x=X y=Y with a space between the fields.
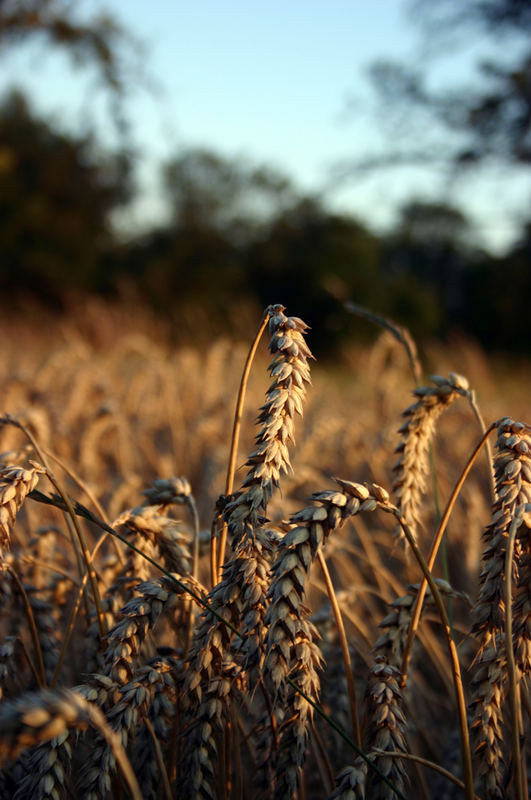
x=269 y=81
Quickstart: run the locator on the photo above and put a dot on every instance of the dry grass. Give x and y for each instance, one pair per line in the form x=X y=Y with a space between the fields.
x=125 y=672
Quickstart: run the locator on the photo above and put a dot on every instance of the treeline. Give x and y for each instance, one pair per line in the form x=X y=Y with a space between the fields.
x=237 y=236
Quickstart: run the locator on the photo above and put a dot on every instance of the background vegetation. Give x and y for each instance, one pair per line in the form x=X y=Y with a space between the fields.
x=246 y=233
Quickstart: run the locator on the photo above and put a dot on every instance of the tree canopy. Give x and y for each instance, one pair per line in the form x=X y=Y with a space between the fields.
x=488 y=117
x=240 y=234
x=57 y=192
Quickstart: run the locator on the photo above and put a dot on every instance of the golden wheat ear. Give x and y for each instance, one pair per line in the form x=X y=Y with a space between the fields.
x=15 y=484
x=502 y=569
x=416 y=432
x=241 y=595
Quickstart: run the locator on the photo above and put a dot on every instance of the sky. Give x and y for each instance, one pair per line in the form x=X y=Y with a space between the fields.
x=283 y=83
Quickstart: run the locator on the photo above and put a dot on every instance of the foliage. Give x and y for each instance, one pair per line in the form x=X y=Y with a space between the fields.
x=99 y=41
x=57 y=193
x=238 y=234
x=483 y=120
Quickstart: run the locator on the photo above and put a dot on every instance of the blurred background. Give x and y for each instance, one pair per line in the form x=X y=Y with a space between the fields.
x=190 y=163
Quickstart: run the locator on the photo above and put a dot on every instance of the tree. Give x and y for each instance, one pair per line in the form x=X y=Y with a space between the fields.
x=212 y=192
x=57 y=189
x=428 y=250
x=55 y=198
x=499 y=290
x=472 y=123
x=313 y=260
x=99 y=41
x=488 y=119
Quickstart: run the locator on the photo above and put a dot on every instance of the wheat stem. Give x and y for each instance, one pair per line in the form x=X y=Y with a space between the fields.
x=344 y=648
x=73 y=614
x=79 y=531
x=475 y=409
x=229 y=482
x=33 y=628
x=326 y=772
x=29 y=659
x=87 y=490
x=417 y=610
x=456 y=669
x=426 y=763
x=401 y=334
x=511 y=666
x=160 y=759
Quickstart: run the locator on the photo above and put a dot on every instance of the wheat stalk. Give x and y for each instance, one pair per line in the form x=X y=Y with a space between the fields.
x=41 y=716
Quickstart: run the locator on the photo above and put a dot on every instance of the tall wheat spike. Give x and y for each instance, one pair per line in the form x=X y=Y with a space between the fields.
x=411 y=469
x=512 y=468
x=241 y=595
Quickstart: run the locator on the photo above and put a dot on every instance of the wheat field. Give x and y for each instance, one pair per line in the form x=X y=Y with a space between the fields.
x=315 y=602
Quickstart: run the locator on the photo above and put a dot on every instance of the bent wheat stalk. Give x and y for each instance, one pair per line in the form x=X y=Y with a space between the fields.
x=523 y=516
x=41 y=716
x=7 y=420
x=437 y=539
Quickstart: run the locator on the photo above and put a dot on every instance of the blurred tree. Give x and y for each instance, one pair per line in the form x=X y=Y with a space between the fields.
x=312 y=260
x=429 y=250
x=499 y=290
x=57 y=190
x=195 y=265
x=98 y=41
x=475 y=123
x=488 y=119
x=438 y=223
x=56 y=193
x=209 y=191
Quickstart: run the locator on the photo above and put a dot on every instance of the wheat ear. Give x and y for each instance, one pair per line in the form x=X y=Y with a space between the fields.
x=290 y=650
x=392 y=643
x=45 y=770
x=15 y=485
x=512 y=467
x=241 y=595
x=350 y=783
x=130 y=705
x=416 y=432
x=385 y=729
x=489 y=689
x=139 y=616
x=522 y=608
x=41 y=716
x=7 y=666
